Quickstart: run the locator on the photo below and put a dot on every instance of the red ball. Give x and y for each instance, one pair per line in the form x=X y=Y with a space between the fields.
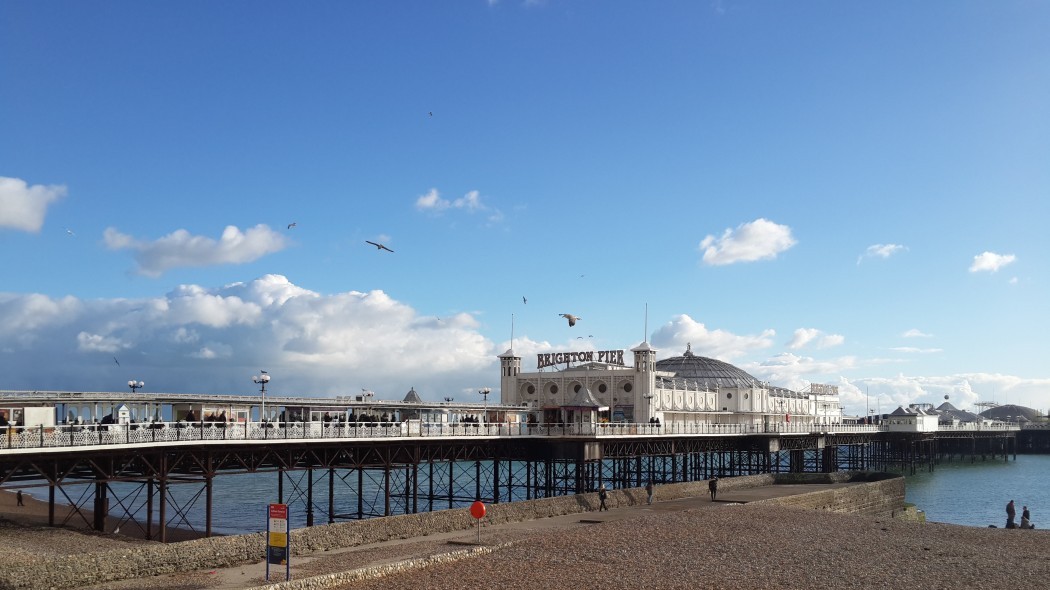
x=477 y=510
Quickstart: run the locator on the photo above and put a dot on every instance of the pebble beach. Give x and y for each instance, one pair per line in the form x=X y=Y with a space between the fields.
x=720 y=546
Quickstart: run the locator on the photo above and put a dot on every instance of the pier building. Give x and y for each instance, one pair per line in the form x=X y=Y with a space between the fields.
x=685 y=389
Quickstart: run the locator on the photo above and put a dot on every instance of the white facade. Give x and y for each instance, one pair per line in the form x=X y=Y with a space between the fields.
x=643 y=394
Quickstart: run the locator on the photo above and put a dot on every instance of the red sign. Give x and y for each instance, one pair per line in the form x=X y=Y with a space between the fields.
x=279 y=511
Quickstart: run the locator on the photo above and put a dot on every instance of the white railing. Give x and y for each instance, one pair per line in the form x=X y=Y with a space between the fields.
x=65 y=436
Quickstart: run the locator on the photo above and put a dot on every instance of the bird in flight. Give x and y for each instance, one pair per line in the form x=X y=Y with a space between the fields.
x=572 y=318
x=291 y=225
x=523 y=300
x=379 y=246
x=263 y=372
x=70 y=232
x=116 y=361
x=430 y=114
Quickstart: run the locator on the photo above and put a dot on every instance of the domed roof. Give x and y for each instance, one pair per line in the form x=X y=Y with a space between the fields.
x=707 y=373
x=1011 y=413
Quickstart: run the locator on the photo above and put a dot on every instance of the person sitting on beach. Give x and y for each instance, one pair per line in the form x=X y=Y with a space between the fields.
x=1026 y=519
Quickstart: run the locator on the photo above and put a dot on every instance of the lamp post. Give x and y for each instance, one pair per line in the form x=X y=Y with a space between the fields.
x=485 y=393
x=448 y=400
x=649 y=406
x=135 y=385
x=262 y=379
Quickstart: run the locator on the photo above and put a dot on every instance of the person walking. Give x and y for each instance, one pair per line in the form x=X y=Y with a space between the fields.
x=18 y=497
x=602 y=494
x=1011 y=512
x=649 y=492
x=712 y=486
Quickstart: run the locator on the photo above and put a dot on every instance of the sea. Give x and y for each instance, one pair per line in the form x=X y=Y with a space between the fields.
x=958 y=492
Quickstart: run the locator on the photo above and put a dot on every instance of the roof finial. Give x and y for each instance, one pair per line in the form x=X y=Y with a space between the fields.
x=688 y=349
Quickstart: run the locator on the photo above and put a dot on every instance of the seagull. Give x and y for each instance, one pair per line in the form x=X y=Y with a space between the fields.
x=70 y=232
x=380 y=246
x=572 y=318
x=291 y=225
x=523 y=300
x=116 y=361
x=263 y=372
x=430 y=114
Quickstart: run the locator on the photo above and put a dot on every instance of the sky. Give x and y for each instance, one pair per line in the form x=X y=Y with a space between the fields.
x=822 y=192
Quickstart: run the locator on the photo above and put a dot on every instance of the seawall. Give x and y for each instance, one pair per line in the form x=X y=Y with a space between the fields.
x=873 y=494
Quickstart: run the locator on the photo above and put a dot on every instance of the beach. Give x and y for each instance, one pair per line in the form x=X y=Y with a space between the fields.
x=671 y=545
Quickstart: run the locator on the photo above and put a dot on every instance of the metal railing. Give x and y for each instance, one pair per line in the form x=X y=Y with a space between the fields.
x=73 y=436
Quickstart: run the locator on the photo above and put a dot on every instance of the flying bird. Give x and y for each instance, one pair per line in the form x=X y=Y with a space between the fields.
x=116 y=361
x=291 y=225
x=379 y=246
x=263 y=372
x=430 y=114
x=70 y=232
x=523 y=300
x=572 y=318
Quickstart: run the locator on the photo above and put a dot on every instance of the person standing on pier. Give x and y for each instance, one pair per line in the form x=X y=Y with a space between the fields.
x=649 y=492
x=1011 y=512
x=602 y=494
x=712 y=486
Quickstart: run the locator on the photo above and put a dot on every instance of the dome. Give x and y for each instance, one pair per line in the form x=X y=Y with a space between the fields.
x=705 y=373
x=1011 y=413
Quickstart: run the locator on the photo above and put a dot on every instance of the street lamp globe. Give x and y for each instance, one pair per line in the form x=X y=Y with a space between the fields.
x=135 y=385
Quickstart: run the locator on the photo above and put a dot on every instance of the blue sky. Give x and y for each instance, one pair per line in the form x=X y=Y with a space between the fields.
x=829 y=192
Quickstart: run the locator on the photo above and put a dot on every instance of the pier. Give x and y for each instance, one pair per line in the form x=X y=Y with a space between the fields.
x=417 y=460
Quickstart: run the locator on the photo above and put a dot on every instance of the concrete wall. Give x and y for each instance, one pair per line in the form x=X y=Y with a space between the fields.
x=883 y=494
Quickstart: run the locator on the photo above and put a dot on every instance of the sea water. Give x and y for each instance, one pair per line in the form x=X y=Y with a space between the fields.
x=975 y=494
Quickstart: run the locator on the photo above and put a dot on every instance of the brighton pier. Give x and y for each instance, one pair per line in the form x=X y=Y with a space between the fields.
x=552 y=433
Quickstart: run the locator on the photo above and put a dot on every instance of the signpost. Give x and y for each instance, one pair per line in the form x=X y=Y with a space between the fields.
x=278 y=542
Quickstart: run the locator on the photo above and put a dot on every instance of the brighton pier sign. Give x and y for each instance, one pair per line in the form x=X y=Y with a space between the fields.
x=549 y=359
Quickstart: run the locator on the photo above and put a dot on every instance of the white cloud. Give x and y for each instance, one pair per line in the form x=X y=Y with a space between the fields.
x=211 y=340
x=916 y=333
x=880 y=251
x=791 y=371
x=758 y=240
x=470 y=202
x=915 y=350
x=991 y=262
x=181 y=249
x=683 y=330
x=805 y=336
x=24 y=207
x=432 y=201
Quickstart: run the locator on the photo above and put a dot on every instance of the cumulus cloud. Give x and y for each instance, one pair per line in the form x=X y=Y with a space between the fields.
x=806 y=336
x=760 y=239
x=181 y=249
x=797 y=372
x=23 y=207
x=683 y=330
x=211 y=340
x=880 y=251
x=991 y=262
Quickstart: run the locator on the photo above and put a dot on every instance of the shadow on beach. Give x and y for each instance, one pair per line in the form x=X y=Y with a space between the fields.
x=33 y=515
